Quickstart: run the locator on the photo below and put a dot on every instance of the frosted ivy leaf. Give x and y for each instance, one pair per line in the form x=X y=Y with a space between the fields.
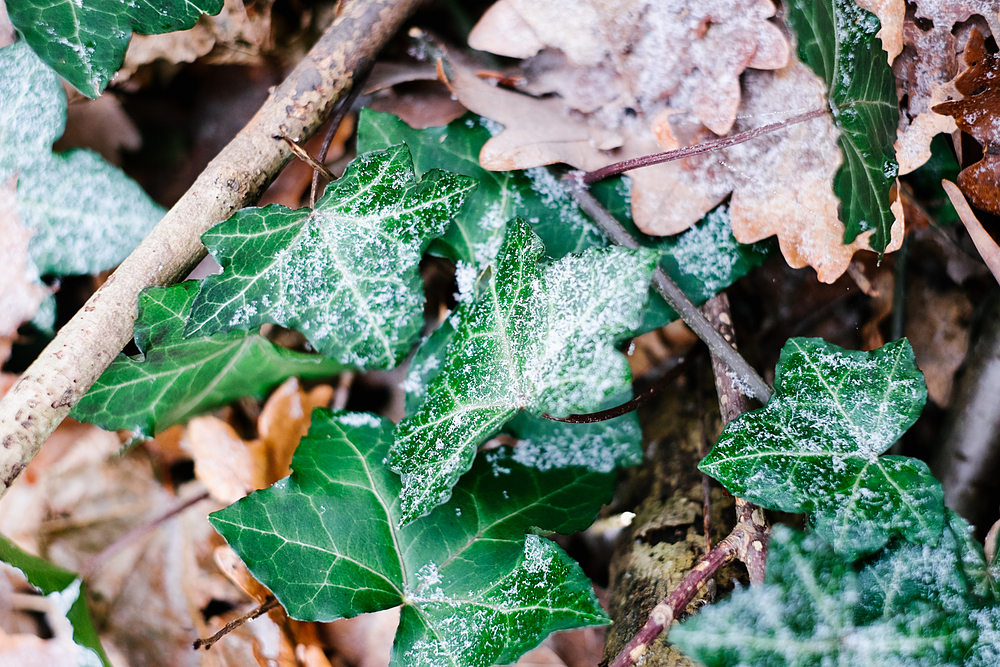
x=475 y=589
x=815 y=447
x=814 y=608
x=540 y=338
x=344 y=274
x=85 y=215
x=176 y=378
x=702 y=260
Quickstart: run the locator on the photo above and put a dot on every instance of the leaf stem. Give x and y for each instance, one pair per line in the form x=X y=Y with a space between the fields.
x=690 y=151
x=673 y=295
x=268 y=604
x=629 y=406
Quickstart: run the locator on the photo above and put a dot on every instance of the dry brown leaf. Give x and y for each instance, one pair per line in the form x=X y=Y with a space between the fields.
x=30 y=650
x=223 y=461
x=284 y=421
x=987 y=247
x=363 y=641
x=937 y=325
x=7 y=32
x=925 y=69
x=890 y=14
x=22 y=290
x=978 y=114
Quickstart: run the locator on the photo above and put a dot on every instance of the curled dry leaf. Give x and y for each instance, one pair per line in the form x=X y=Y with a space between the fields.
x=979 y=115
x=925 y=70
x=985 y=244
x=937 y=325
x=22 y=290
x=230 y=466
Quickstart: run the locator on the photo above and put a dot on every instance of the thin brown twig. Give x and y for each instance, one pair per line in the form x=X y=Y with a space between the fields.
x=207 y=643
x=628 y=406
x=697 y=149
x=303 y=155
x=338 y=117
x=97 y=560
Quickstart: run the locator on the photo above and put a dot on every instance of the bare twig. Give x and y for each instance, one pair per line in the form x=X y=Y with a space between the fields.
x=985 y=244
x=302 y=154
x=88 y=343
x=697 y=149
x=338 y=117
x=674 y=296
x=629 y=406
x=97 y=560
x=269 y=604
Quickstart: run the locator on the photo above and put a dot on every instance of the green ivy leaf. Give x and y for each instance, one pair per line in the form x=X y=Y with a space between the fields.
x=539 y=338
x=344 y=274
x=177 y=378
x=85 y=40
x=837 y=40
x=85 y=215
x=542 y=443
x=816 y=609
x=703 y=260
x=476 y=590
x=69 y=594
x=815 y=447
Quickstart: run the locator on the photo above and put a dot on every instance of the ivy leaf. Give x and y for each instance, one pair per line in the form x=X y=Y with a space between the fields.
x=540 y=338
x=837 y=40
x=85 y=214
x=703 y=260
x=476 y=590
x=815 y=447
x=542 y=443
x=814 y=608
x=85 y=40
x=344 y=274
x=177 y=378
x=68 y=593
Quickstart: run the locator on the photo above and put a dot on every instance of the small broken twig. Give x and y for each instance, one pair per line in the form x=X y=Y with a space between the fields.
x=338 y=117
x=301 y=154
x=673 y=295
x=269 y=604
x=697 y=149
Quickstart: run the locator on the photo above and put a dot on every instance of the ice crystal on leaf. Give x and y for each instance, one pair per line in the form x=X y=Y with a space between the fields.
x=475 y=589
x=912 y=604
x=344 y=274
x=541 y=337
x=815 y=447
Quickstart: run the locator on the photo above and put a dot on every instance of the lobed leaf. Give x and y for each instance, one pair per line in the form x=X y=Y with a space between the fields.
x=85 y=40
x=539 y=338
x=177 y=378
x=815 y=447
x=815 y=608
x=344 y=274
x=85 y=214
x=69 y=594
x=837 y=40
x=476 y=590
x=702 y=261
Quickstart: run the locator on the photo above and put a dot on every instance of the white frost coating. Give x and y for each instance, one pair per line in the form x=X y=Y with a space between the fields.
x=416 y=380
x=358 y=419
x=465 y=276
x=708 y=252
x=536 y=557
x=741 y=385
x=493 y=127
x=598 y=447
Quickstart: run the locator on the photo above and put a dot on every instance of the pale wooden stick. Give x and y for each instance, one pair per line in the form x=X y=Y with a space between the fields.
x=985 y=244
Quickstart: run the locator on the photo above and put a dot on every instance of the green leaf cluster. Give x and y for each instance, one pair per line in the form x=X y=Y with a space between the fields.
x=176 y=378
x=910 y=604
x=815 y=447
x=85 y=40
x=837 y=40
x=85 y=214
x=475 y=588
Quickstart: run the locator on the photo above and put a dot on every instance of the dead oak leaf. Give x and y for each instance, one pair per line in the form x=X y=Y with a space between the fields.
x=979 y=115
x=925 y=70
x=890 y=14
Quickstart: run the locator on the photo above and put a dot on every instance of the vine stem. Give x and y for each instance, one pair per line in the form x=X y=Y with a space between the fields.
x=91 y=340
x=690 y=151
x=673 y=295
